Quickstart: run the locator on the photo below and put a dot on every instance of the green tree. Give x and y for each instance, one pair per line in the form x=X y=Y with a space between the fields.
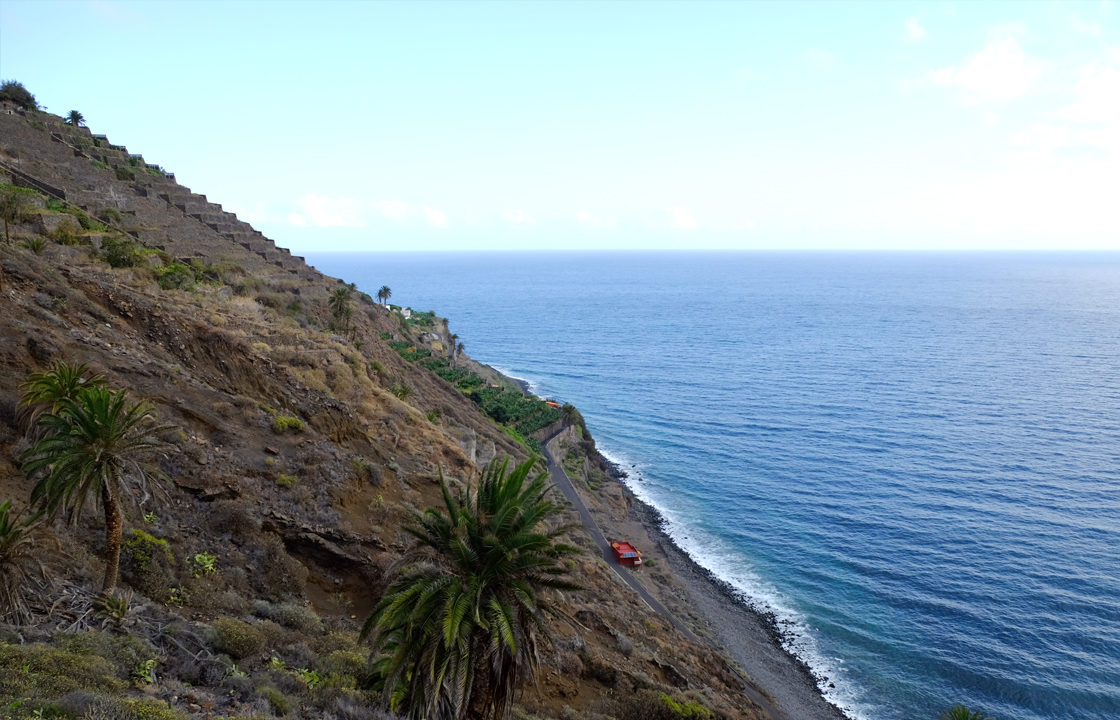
x=460 y=626
x=75 y=118
x=15 y=92
x=21 y=564
x=15 y=202
x=94 y=446
x=339 y=304
x=960 y=712
x=384 y=294
x=45 y=392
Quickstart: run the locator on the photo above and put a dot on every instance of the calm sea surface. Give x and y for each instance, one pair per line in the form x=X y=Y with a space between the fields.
x=913 y=458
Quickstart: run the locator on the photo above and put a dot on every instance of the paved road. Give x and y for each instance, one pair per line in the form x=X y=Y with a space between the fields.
x=562 y=481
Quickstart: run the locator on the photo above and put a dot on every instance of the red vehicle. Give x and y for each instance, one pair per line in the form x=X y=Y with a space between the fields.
x=626 y=554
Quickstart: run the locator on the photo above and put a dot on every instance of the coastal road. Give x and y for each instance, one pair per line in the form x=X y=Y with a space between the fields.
x=561 y=480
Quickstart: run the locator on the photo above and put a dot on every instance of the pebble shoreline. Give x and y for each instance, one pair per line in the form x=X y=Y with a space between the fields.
x=754 y=639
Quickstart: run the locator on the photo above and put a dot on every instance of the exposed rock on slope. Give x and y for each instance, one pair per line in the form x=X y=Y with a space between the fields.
x=299 y=451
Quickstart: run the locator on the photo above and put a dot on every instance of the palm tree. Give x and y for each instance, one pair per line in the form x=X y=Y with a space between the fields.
x=339 y=304
x=21 y=564
x=460 y=626
x=75 y=118
x=960 y=712
x=384 y=294
x=94 y=445
x=45 y=392
x=453 y=341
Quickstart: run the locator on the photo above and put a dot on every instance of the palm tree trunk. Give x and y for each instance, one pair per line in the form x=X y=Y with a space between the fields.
x=113 y=531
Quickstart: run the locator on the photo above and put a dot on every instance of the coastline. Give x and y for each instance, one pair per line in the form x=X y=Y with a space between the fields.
x=752 y=638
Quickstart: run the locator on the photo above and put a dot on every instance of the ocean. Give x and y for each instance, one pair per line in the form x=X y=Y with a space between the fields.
x=912 y=459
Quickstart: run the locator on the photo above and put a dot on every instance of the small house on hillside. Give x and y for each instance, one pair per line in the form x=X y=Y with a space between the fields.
x=626 y=554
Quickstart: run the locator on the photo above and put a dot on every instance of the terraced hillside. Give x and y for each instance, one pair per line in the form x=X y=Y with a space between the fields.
x=303 y=438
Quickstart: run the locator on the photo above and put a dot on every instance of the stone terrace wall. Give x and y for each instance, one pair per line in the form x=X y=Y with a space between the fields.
x=158 y=211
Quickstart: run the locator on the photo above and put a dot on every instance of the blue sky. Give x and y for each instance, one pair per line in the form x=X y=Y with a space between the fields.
x=553 y=125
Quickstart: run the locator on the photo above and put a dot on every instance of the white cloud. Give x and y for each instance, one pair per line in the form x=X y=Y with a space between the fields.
x=323 y=211
x=749 y=223
x=999 y=72
x=297 y=220
x=392 y=209
x=518 y=217
x=680 y=217
x=914 y=29
x=1091 y=121
x=585 y=218
x=1085 y=27
x=991 y=119
x=436 y=218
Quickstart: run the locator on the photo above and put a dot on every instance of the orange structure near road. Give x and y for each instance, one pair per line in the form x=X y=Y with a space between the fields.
x=626 y=554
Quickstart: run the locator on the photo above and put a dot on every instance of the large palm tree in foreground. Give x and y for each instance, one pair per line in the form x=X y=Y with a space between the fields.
x=460 y=625
x=94 y=445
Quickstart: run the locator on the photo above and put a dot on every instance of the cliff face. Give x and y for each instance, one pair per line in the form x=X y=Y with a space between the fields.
x=302 y=442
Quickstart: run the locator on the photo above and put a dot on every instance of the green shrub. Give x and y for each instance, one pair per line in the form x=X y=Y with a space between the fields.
x=41 y=671
x=100 y=165
x=147 y=564
x=35 y=244
x=287 y=481
x=281 y=423
x=238 y=639
x=110 y=215
x=175 y=276
x=291 y=615
x=278 y=701
x=55 y=205
x=648 y=704
x=205 y=564
x=84 y=220
x=125 y=652
x=14 y=92
x=125 y=174
x=119 y=252
x=67 y=234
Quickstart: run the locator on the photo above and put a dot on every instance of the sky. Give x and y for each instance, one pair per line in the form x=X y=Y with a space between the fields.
x=607 y=125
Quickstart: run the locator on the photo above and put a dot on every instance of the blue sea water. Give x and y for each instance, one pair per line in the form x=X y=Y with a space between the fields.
x=915 y=459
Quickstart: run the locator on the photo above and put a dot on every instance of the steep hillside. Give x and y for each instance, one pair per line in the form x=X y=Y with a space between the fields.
x=303 y=438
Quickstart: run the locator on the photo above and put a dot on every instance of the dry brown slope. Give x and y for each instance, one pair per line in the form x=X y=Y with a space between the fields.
x=310 y=518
